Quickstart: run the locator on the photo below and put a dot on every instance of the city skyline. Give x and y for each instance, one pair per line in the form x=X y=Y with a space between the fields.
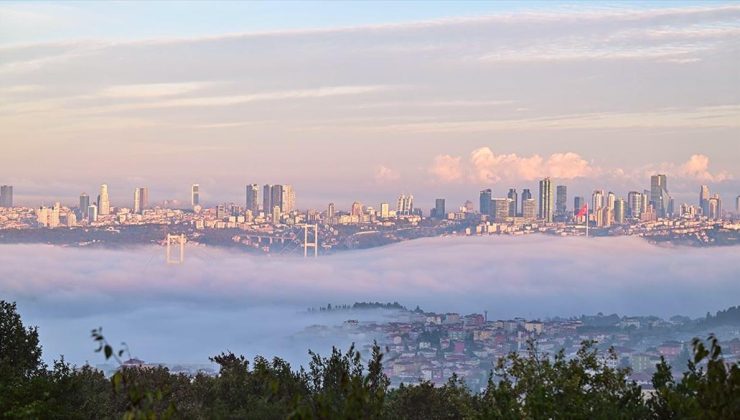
x=432 y=102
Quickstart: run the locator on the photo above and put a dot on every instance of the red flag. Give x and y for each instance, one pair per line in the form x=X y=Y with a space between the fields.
x=583 y=211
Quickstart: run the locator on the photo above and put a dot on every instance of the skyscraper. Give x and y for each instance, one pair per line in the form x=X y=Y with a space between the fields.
x=610 y=200
x=500 y=209
x=635 y=204
x=659 y=194
x=715 y=207
x=514 y=203
x=252 y=202
x=267 y=199
x=276 y=197
x=578 y=203
x=546 y=201
x=561 y=200
x=92 y=213
x=6 y=196
x=529 y=208
x=485 y=202
x=737 y=205
x=195 y=195
x=597 y=200
x=405 y=204
x=704 y=200
x=619 y=210
x=526 y=195
x=141 y=199
x=288 y=199
x=330 y=210
x=103 y=201
x=439 y=208
x=84 y=204
x=385 y=210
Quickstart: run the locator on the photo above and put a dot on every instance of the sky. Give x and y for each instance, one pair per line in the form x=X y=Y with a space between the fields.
x=221 y=299
x=364 y=101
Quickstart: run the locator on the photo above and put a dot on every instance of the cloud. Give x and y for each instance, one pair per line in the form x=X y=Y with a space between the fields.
x=446 y=168
x=485 y=166
x=152 y=90
x=697 y=167
x=223 y=299
x=385 y=174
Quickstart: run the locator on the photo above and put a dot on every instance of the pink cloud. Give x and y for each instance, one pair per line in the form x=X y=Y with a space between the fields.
x=447 y=168
x=697 y=167
x=385 y=174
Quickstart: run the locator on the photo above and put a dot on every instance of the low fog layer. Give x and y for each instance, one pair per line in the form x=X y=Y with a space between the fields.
x=219 y=299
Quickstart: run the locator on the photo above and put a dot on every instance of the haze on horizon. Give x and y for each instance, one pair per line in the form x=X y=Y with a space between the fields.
x=346 y=104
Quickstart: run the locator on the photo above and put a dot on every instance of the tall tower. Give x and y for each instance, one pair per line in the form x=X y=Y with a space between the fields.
x=252 y=202
x=485 y=202
x=561 y=202
x=141 y=198
x=619 y=210
x=635 y=204
x=546 y=200
x=195 y=195
x=6 y=196
x=659 y=194
x=513 y=209
x=267 y=199
x=84 y=204
x=597 y=200
x=439 y=208
x=103 y=201
x=276 y=197
x=288 y=203
x=704 y=200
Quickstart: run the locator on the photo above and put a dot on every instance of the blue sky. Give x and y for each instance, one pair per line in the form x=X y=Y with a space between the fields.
x=24 y=22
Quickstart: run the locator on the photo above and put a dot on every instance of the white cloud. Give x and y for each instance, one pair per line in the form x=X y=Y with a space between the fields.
x=697 y=167
x=446 y=168
x=385 y=174
x=485 y=167
x=152 y=90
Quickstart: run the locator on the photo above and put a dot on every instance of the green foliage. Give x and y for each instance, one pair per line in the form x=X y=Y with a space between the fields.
x=530 y=385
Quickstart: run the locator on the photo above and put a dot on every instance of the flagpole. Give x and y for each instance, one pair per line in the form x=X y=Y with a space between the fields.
x=587 y=219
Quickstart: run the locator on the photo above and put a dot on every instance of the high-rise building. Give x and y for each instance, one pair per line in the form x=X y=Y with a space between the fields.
x=439 y=208
x=578 y=203
x=526 y=195
x=500 y=209
x=597 y=200
x=252 y=202
x=659 y=194
x=514 y=203
x=704 y=199
x=619 y=210
x=276 y=197
x=92 y=213
x=275 y=214
x=561 y=200
x=529 y=208
x=330 y=210
x=287 y=204
x=635 y=204
x=356 y=210
x=485 y=202
x=715 y=207
x=141 y=199
x=405 y=205
x=267 y=199
x=195 y=195
x=84 y=204
x=737 y=205
x=6 y=196
x=103 y=201
x=385 y=210
x=611 y=198
x=547 y=200
x=54 y=215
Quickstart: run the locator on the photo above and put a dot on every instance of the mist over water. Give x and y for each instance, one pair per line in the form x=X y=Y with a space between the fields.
x=224 y=300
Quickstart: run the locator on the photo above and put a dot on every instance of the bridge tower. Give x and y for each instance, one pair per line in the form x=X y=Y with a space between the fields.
x=175 y=240
x=312 y=244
